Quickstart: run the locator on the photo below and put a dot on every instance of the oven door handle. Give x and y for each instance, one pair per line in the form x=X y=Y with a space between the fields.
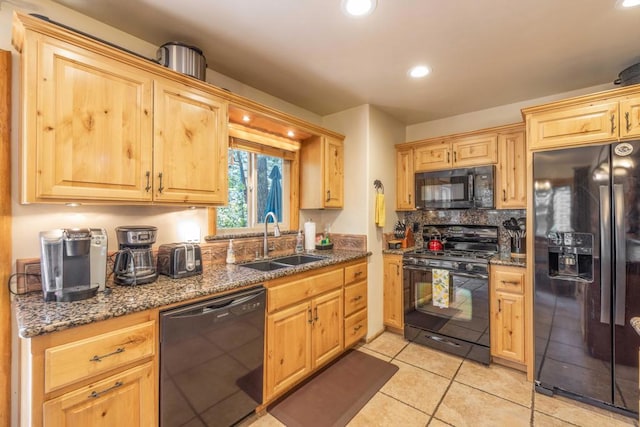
x=453 y=273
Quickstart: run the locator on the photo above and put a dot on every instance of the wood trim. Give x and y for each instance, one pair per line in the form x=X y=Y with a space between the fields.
x=5 y=240
x=510 y=128
x=261 y=138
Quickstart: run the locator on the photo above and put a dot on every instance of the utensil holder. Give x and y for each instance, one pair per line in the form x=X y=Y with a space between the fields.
x=518 y=247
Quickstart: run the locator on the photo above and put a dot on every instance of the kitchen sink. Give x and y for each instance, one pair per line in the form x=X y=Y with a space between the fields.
x=299 y=259
x=266 y=265
x=277 y=263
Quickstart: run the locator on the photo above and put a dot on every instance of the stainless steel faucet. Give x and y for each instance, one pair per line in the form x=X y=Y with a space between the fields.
x=276 y=232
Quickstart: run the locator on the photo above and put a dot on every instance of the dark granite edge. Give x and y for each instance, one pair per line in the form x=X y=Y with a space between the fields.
x=35 y=317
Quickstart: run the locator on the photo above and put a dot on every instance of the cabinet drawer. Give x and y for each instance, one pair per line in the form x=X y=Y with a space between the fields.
x=298 y=290
x=354 y=273
x=68 y=363
x=511 y=280
x=355 y=297
x=355 y=328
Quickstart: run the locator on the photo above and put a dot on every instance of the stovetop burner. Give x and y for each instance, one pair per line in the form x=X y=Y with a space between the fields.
x=466 y=248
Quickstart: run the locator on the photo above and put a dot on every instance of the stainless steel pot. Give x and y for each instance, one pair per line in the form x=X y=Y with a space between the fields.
x=183 y=58
x=629 y=76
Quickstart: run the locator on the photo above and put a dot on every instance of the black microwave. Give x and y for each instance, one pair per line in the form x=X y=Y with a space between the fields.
x=469 y=188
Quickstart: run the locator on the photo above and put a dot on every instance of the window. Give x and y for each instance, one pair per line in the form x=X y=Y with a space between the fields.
x=254 y=156
x=258 y=183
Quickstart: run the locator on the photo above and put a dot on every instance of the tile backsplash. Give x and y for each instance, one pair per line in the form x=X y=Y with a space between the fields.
x=465 y=216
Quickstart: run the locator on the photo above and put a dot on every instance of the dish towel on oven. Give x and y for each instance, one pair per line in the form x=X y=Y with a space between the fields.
x=380 y=214
x=441 y=284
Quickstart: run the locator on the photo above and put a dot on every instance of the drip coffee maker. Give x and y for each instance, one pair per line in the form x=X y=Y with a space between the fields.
x=134 y=264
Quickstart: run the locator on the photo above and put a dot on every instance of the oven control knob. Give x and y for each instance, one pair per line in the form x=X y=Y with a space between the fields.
x=469 y=267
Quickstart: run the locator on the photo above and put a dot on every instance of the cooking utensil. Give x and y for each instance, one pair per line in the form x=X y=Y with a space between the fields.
x=629 y=76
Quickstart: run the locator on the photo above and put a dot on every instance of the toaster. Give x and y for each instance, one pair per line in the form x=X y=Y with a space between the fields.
x=178 y=260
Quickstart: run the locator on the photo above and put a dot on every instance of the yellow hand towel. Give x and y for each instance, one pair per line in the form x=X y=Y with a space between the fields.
x=379 y=214
x=441 y=287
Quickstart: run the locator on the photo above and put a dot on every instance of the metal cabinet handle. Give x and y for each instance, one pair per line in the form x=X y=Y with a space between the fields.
x=160 y=187
x=504 y=195
x=315 y=310
x=328 y=195
x=357 y=273
x=97 y=358
x=358 y=298
x=95 y=394
x=409 y=198
x=148 y=186
x=397 y=269
x=628 y=122
x=447 y=157
x=455 y=157
x=310 y=317
x=357 y=328
x=499 y=306
x=510 y=282
x=613 y=125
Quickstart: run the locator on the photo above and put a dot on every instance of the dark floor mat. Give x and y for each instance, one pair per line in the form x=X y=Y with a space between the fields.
x=336 y=394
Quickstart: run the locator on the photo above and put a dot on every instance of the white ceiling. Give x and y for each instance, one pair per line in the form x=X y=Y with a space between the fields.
x=483 y=53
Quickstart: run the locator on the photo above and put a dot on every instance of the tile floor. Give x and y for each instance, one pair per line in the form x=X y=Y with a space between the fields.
x=436 y=389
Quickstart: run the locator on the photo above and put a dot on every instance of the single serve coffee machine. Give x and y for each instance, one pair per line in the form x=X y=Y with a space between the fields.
x=73 y=263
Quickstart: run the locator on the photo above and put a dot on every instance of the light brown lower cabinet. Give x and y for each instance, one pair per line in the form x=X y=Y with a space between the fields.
x=100 y=374
x=507 y=313
x=311 y=319
x=393 y=311
x=125 y=399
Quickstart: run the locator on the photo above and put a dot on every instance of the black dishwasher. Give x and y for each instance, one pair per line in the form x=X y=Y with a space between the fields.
x=211 y=360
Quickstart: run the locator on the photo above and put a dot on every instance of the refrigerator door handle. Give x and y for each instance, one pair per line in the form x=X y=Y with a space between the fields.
x=621 y=254
x=605 y=255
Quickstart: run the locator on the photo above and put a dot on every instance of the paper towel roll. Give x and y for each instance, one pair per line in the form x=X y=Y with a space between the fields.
x=309 y=235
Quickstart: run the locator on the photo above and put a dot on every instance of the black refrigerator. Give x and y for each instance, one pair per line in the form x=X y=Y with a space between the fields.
x=587 y=273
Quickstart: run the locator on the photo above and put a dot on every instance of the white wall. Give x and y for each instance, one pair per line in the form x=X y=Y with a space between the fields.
x=28 y=220
x=497 y=116
x=369 y=155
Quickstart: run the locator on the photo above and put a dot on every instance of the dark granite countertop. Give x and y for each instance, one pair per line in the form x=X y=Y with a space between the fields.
x=35 y=317
x=505 y=258
x=399 y=251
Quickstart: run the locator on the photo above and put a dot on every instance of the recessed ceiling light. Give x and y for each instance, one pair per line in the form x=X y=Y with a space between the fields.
x=628 y=3
x=246 y=118
x=291 y=134
x=358 y=7
x=419 y=71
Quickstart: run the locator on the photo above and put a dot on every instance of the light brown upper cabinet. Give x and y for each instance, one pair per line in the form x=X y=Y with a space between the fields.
x=511 y=182
x=607 y=116
x=405 y=180
x=100 y=125
x=456 y=152
x=190 y=145
x=322 y=173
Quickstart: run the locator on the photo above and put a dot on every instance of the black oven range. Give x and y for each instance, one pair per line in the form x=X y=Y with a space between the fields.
x=446 y=292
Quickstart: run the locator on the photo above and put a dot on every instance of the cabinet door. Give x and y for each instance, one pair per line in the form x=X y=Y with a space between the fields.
x=474 y=151
x=574 y=125
x=327 y=334
x=89 y=135
x=126 y=399
x=507 y=334
x=512 y=174
x=432 y=156
x=288 y=357
x=630 y=117
x=333 y=173
x=405 y=180
x=392 y=305
x=190 y=145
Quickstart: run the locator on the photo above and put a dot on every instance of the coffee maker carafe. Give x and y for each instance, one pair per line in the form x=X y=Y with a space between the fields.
x=73 y=263
x=134 y=261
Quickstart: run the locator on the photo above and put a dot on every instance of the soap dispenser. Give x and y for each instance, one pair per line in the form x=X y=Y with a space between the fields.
x=231 y=256
x=299 y=242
